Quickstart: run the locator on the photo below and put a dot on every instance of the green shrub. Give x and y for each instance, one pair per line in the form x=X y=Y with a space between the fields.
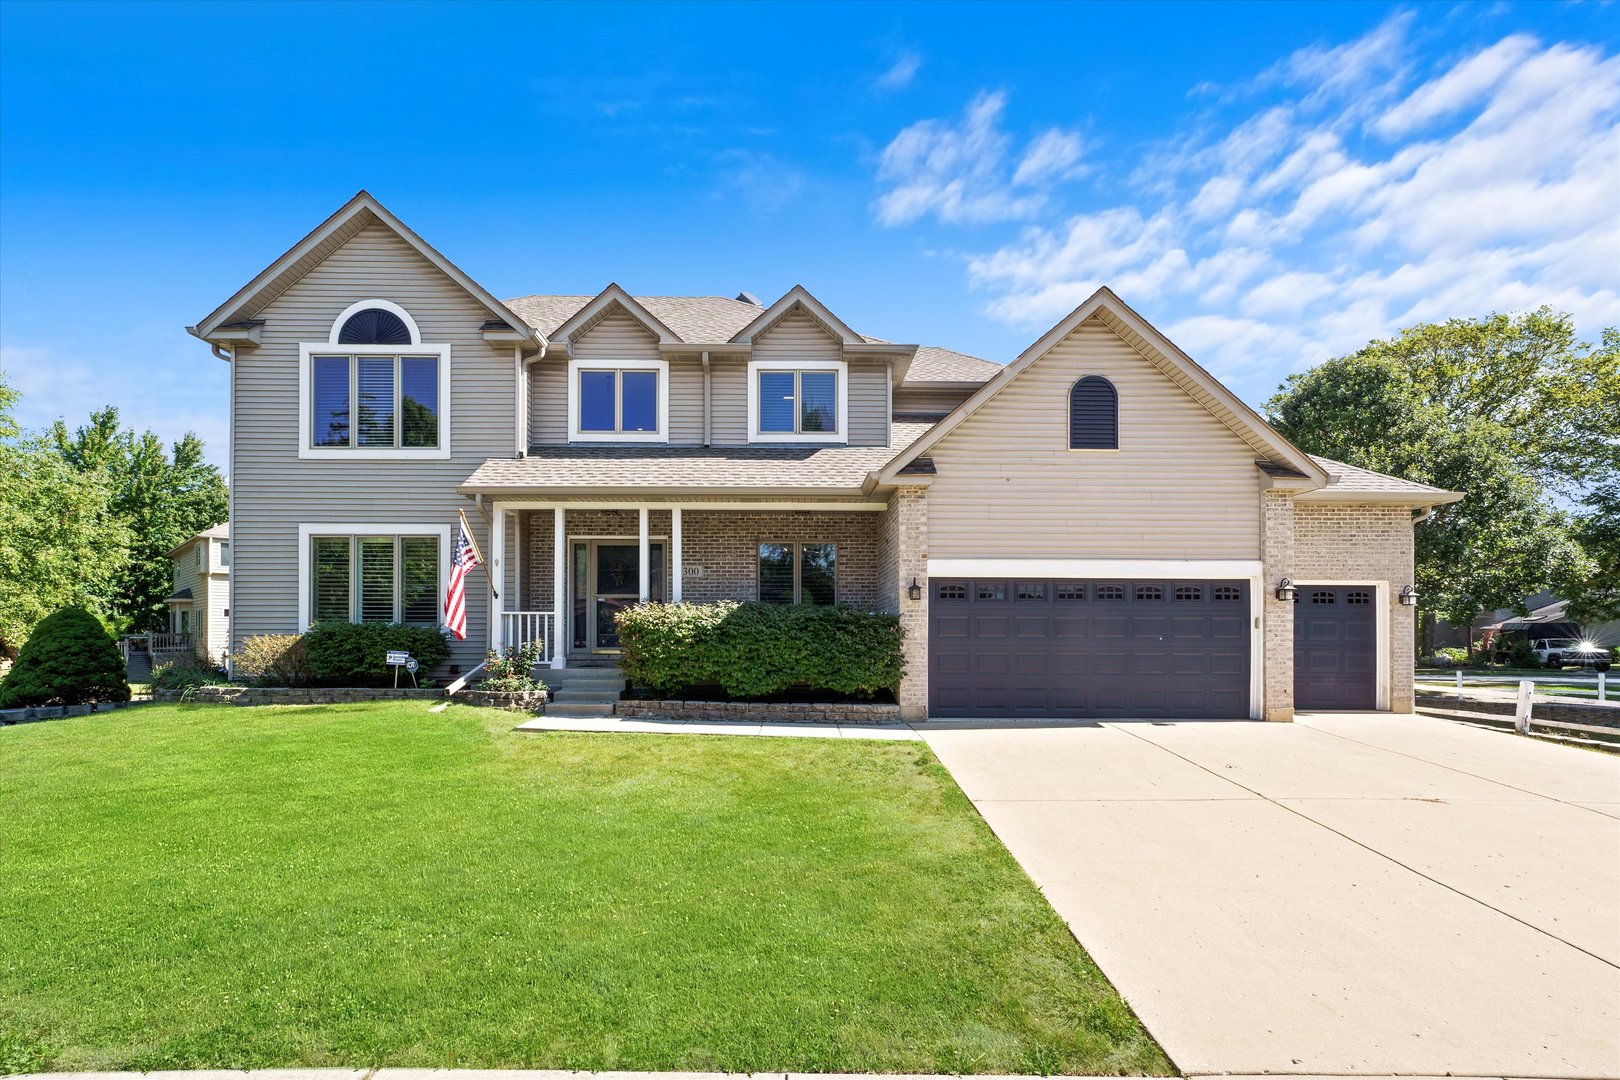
x=68 y=659
x=758 y=650
x=273 y=660
x=512 y=670
x=356 y=654
x=1451 y=657
x=186 y=673
x=1520 y=654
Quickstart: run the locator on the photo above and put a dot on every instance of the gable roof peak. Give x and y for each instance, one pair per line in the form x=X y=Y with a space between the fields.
x=798 y=297
x=602 y=304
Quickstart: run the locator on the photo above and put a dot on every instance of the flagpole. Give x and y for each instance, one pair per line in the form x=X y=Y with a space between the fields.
x=479 y=555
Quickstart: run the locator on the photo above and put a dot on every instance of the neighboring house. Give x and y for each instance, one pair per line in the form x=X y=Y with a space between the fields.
x=201 y=602
x=1099 y=528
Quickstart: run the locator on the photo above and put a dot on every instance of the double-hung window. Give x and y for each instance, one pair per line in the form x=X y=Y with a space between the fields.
x=380 y=579
x=798 y=573
x=618 y=402
x=374 y=390
x=797 y=403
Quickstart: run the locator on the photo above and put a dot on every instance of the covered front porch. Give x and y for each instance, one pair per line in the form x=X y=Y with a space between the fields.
x=565 y=569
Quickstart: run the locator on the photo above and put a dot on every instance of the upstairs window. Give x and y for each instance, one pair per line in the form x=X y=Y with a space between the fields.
x=386 y=402
x=804 y=402
x=373 y=389
x=618 y=401
x=224 y=553
x=1093 y=415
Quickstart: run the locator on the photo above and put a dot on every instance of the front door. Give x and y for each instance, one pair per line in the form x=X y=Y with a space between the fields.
x=607 y=579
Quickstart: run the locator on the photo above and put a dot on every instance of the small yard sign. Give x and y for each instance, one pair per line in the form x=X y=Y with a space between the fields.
x=399 y=658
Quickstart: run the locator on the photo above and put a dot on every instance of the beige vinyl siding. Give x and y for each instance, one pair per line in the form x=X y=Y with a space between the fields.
x=729 y=410
x=614 y=338
x=869 y=403
x=218 y=604
x=927 y=399
x=548 y=401
x=1182 y=484
x=795 y=337
x=275 y=490
x=185 y=571
x=686 y=400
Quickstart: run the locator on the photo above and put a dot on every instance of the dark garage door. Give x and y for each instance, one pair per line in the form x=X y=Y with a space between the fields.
x=1335 y=635
x=1067 y=648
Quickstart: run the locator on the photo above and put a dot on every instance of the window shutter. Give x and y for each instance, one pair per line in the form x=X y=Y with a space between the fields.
x=1093 y=415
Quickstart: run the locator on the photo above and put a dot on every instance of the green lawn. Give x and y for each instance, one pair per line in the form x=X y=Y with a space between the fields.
x=188 y=886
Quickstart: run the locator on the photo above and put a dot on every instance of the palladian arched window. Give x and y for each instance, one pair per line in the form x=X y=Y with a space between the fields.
x=374 y=326
x=1093 y=415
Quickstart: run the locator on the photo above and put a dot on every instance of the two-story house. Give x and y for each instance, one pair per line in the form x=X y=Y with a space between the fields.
x=1098 y=528
x=200 y=603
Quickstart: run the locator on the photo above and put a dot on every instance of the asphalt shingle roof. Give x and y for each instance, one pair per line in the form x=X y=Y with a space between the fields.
x=835 y=469
x=1344 y=477
x=711 y=319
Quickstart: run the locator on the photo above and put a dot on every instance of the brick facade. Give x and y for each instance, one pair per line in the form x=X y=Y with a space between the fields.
x=903 y=558
x=1347 y=542
x=1277 y=616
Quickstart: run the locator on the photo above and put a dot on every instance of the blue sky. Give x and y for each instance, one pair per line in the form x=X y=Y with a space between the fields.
x=1269 y=184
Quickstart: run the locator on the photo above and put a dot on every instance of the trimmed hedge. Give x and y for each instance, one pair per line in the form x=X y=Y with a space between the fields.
x=273 y=660
x=68 y=659
x=755 y=650
x=355 y=654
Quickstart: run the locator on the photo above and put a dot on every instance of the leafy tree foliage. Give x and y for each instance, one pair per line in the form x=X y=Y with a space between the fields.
x=61 y=542
x=164 y=496
x=1510 y=409
x=69 y=659
x=1593 y=590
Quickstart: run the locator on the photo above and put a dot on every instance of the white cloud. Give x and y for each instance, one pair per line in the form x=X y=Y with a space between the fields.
x=959 y=173
x=1365 y=191
x=900 y=73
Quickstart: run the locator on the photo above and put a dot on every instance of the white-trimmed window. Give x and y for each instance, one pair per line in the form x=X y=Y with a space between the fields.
x=225 y=554
x=379 y=573
x=202 y=555
x=806 y=401
x=373 y=389
x=618 y=402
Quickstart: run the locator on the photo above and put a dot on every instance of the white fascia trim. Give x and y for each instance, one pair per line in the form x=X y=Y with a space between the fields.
x=1383 y=595
x=355 y=309
x=709 y=504
x=1095 y=568
x=576 y=366
x=306 y=385
x=757 y=436
x=307 y=530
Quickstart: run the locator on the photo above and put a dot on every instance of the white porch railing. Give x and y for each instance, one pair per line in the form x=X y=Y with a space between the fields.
x=521 y=627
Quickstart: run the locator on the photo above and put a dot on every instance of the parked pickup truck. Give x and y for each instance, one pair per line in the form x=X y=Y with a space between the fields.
x=1568 y=652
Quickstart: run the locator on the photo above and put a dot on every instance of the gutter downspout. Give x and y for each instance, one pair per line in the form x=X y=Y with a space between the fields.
x=520 y=400
x=523 y=413
x=708 y=396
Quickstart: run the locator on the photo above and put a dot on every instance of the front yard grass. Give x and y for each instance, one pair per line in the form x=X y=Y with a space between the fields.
x=368 y=885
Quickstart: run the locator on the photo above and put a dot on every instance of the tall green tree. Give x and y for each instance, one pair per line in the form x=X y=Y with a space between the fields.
x=1512 y=410
x=61 y=542
x=164 y=497
x=1593 y=588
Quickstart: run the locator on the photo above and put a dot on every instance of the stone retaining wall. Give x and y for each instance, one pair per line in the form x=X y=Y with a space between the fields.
x=282 y=695
x=492 y=699
x=761 y=712
x=59 y=712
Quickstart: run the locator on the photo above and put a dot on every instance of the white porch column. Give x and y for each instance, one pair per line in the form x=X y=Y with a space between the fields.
x=559 y=589
x=675 y=555
x=497 y=574
x=646 y=559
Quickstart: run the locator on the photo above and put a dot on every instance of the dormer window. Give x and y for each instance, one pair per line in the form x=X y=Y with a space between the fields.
x=618 y=402
x=373 y=389
x=1093 y=415
x=803 y=402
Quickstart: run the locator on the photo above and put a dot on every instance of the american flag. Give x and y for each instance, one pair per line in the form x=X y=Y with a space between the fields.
x=462 y=560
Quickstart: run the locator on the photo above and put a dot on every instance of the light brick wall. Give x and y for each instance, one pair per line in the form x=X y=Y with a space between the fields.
x=1277 y=617
x=1334 y=542
x=720 y=549
x=903 y=557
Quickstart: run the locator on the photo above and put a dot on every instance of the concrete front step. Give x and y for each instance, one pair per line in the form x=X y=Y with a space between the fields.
x=574 y=694
x=579 y=708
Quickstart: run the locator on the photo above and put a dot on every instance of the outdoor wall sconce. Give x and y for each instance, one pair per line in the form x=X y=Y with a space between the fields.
x=1286 y=591
x=915 y=590
x=1409 y=596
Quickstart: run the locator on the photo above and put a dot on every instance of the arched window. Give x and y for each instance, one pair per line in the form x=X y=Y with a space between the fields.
x=1093 y=415
x=374 y=326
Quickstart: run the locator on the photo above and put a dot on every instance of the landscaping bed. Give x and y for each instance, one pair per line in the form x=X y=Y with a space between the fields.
x=294 y=695
x=379 y=885
x=803 y=712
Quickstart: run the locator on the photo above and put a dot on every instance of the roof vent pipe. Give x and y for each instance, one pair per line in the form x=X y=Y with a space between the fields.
x=750 y=298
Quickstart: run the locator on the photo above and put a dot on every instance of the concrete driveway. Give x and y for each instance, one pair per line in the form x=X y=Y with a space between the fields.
x=1348 y=894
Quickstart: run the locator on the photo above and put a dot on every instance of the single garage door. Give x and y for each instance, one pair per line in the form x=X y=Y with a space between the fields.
x=1071 y=648
x=1335 y=643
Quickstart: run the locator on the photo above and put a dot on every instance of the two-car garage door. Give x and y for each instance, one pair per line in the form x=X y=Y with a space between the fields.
x=1083 y=648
